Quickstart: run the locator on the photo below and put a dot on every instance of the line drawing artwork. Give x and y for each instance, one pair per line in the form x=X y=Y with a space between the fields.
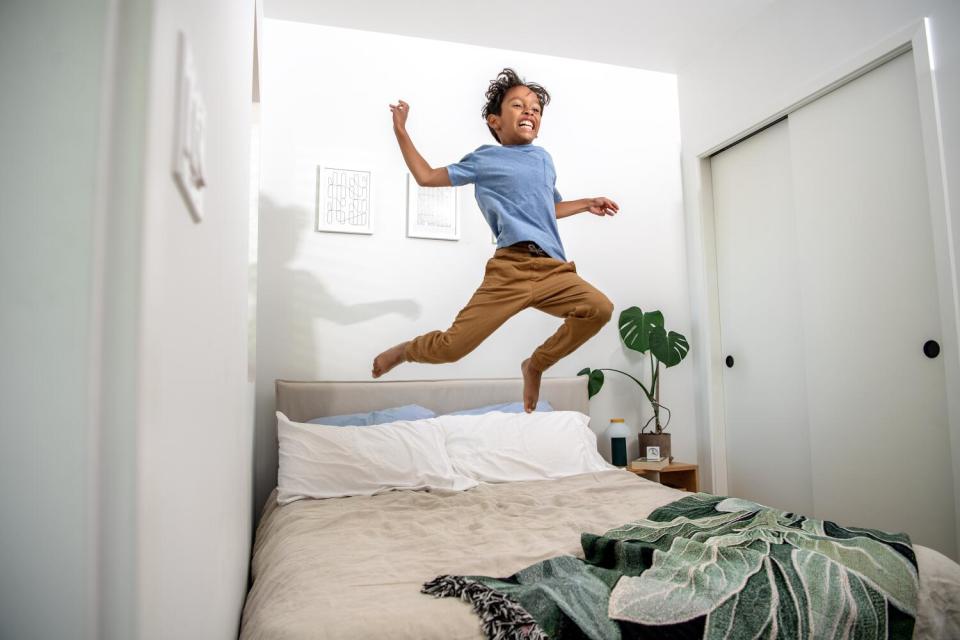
x=344 y=200
x=432 y=212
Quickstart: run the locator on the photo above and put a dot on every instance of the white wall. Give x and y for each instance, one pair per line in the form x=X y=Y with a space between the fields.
x=769 y=64
x=126 y=417
x=328 y=303
x=50 y=127
x=195 y=435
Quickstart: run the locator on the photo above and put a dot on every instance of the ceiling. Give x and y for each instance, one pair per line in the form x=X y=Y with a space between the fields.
x=658 y=35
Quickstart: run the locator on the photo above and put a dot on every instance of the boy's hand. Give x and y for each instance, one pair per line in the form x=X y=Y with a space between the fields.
x=400 y=112
x=602 y=206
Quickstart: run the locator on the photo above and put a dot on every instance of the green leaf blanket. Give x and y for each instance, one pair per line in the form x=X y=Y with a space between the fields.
x=707 y=567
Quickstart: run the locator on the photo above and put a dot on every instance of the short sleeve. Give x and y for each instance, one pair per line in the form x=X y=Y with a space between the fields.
x=465 y=171
x=548 y=164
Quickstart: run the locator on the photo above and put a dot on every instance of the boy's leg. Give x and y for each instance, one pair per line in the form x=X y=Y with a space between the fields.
x=585 y=310
x=500 y=296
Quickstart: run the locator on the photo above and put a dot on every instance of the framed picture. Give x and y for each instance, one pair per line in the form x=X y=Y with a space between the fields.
x=432 y=212
x=344 y=200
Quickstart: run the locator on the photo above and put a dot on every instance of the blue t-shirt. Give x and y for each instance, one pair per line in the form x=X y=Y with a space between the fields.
x=514 y=186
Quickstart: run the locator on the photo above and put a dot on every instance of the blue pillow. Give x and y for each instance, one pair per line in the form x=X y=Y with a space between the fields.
x=382 y=416
x=505 y=407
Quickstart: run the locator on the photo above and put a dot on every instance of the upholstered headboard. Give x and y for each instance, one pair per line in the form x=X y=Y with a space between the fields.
x=301 y=401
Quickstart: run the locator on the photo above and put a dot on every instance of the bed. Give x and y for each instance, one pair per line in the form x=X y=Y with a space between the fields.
x=353 y=567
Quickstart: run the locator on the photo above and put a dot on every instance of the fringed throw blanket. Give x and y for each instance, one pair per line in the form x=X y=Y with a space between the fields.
x=707 y=567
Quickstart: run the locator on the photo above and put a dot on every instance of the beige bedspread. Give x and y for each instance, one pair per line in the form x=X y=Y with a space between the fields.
x=352 y=567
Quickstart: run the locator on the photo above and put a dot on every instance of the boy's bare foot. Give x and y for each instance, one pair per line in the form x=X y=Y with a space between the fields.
x=388 y=359
x=531 y=385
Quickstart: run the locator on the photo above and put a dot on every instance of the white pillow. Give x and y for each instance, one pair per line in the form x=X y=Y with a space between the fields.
x=507 y=447
x=322 y=461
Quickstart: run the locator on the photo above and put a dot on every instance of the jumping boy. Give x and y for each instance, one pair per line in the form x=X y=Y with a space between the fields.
x=514 y=187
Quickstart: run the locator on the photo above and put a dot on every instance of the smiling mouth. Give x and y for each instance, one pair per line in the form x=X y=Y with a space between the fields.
x=526 y=124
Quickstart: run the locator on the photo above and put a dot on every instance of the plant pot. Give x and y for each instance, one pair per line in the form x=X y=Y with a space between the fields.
x=661 y=440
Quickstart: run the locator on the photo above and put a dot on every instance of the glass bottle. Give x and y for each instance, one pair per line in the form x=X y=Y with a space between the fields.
x=618 y=433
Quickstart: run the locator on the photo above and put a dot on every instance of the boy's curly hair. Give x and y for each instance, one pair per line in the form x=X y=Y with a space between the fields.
x=506 y=80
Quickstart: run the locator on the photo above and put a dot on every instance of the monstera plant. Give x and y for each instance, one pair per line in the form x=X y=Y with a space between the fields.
x=644 y=332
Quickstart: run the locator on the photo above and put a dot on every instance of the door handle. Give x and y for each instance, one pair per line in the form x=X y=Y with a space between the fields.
x=729 y=361
x=931 y=349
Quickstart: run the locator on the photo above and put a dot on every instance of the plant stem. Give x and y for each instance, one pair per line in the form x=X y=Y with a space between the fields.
x=656 y=391
x=653 y=375
x=645 y=391
x=654 y=400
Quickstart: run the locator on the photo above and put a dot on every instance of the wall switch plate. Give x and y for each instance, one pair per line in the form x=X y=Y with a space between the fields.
x=190 y=132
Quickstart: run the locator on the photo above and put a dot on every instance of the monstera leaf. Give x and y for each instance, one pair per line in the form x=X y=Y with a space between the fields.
x=594 y=380
x=670 y=348
x=635 y=327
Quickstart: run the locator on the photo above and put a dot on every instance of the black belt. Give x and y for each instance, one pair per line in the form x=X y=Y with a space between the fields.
x=531 y=247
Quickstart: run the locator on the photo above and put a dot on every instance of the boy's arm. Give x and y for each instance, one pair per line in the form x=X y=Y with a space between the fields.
x=597 y=206
x=423 y=173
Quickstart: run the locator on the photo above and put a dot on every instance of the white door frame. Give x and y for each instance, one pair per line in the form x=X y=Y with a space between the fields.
x=914 y=37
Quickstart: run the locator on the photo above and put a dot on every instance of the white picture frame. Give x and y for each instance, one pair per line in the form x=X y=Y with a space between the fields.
x=432 y=212
x=344 y=200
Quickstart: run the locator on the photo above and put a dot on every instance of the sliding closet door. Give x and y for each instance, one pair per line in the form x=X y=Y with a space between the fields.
x=768 y=448
x=877 y=405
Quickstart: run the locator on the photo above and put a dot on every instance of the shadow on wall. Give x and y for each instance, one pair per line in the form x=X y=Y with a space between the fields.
x=292 y=296
x=283 y=231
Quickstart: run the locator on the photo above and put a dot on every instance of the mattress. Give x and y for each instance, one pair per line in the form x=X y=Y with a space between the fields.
x=353 y=567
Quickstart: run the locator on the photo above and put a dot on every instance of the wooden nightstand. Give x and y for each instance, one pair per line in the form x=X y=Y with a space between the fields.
x=678 y=475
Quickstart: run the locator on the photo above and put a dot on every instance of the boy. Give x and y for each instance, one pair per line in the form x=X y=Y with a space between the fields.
x=514 y=185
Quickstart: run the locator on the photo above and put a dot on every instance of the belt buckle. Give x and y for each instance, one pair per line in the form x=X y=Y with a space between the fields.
x=535 y=250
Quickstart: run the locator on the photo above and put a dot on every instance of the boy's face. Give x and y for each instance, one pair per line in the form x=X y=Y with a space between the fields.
x=519 y=119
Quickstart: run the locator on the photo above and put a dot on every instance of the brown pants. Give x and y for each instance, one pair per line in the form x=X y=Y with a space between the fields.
x=514 y=280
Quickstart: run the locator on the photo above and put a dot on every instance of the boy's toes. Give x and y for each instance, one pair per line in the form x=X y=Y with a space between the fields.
x=531 y=386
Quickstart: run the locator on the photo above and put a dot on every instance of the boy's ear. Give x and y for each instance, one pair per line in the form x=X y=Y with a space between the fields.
x=493 y=120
